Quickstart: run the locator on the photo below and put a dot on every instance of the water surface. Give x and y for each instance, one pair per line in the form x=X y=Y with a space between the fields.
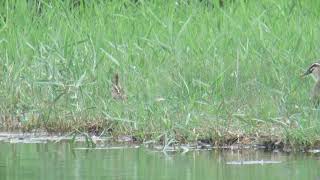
x=52 y=161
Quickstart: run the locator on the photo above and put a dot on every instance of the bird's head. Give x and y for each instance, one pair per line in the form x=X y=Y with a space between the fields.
x=313 y=69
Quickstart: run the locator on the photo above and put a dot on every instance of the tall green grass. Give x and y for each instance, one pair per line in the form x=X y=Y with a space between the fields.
x=222 y=71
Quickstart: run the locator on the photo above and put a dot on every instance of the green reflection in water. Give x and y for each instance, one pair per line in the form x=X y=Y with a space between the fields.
x=60 y=161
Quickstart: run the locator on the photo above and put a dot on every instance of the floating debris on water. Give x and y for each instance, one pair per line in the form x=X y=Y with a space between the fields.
x=261 y=162
x=125 y=139
x=314 y=151
x=108 y=148
x=26 y=141
x=45 y=138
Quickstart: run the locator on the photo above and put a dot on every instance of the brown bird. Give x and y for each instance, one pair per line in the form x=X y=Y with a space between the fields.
x=117 y=92
x=314 y=69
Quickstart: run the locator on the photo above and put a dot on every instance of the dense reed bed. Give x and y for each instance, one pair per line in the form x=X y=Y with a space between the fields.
x=188 y=70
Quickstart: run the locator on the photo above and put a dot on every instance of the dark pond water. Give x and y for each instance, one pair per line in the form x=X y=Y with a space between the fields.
x=61 y=161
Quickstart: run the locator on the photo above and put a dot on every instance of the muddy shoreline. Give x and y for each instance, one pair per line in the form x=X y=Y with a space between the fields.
x=120 y=142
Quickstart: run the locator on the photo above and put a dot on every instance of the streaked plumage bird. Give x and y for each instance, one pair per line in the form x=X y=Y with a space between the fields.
x=117 y=92
x=314 y=69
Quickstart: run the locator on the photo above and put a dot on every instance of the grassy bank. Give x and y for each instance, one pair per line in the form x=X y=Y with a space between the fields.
x=189 y=71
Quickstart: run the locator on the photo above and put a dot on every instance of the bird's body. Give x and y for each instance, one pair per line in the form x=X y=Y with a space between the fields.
x=314 y=69
x=315 y=94
x=117 y=92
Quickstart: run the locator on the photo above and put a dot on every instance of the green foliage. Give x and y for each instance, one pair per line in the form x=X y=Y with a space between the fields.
x=232 y=69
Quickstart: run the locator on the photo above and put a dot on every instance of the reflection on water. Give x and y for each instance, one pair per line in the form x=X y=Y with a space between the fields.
x=61 y=161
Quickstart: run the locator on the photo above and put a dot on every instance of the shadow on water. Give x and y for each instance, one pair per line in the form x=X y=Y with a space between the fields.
x=64 y=161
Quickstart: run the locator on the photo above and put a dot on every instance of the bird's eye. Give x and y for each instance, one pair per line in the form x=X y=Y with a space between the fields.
x=311 y=70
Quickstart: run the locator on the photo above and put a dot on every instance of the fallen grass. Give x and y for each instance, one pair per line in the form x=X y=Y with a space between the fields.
x=189 y=72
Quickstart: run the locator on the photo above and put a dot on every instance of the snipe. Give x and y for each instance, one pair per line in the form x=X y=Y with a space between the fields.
x=117 y=91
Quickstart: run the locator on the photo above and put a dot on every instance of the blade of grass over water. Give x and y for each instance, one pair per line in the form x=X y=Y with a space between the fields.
x=189 y=70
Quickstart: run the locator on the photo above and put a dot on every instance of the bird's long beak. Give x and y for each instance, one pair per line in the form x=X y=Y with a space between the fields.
x=306 y=73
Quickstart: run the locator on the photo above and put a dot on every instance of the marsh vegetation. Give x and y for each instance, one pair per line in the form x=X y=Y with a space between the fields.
x=187 y=71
